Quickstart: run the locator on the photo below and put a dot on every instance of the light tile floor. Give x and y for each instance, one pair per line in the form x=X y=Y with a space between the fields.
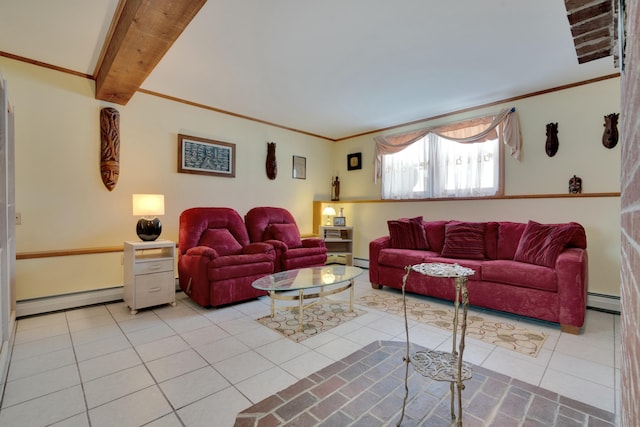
x=190 y=366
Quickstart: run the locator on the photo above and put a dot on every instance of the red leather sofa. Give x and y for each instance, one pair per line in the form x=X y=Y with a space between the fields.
x=535 y=270
x=216 y=260
x=277 y=227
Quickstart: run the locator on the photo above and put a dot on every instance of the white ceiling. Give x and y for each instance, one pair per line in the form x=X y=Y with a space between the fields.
x=334 y=68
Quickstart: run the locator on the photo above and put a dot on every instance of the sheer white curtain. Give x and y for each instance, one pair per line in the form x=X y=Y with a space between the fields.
x=505 y=125
x=465 y=170
x=434 y=167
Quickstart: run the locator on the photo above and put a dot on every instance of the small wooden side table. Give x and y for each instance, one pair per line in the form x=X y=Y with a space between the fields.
x=439 y=365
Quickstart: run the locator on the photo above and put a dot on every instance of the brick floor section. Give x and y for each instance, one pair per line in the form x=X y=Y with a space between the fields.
x=367 y=389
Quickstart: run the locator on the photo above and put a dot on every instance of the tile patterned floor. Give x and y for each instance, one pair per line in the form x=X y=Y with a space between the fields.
x=367 y=389
x=191 y=366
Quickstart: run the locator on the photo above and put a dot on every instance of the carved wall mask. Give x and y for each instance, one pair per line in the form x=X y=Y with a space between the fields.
x=552 y=144
x=610 y=134
x=272 y=164
x=109 y=147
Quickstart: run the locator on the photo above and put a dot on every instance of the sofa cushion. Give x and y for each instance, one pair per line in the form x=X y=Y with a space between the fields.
x=221 y=240
x=408 y=233
x=464 y=240
x=435 y=234
x=403 y=257
x=541 y=244
x=509 y=234
x=287 y=233
x=520 y=274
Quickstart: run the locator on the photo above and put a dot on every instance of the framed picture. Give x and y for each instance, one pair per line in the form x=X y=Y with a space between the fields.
x=299 y=167
x=339 y=221
x=354 y=161
x=206 y=157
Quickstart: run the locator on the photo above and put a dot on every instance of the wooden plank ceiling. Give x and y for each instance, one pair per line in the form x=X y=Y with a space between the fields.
x=141 y=33
x=594 y=27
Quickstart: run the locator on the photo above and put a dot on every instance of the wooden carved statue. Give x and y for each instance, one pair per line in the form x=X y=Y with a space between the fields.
x=610 y=135
x=551 y=147
x=335 y=190
x=272 y=164
x=109 y=147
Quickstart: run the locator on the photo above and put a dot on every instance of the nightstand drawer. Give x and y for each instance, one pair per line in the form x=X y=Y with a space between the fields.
x=149 y=267
x=154 y=289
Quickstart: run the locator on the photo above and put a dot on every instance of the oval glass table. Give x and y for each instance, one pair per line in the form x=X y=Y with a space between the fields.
x=307 y=283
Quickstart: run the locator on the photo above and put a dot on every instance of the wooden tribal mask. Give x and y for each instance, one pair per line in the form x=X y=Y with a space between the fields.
x=109 y=147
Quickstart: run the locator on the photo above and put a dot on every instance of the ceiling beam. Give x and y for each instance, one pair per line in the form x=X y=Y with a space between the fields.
x=144 y=31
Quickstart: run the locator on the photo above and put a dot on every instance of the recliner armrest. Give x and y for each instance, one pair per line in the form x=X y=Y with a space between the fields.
x=258 y=248
x=202 y=251
x=313 y=242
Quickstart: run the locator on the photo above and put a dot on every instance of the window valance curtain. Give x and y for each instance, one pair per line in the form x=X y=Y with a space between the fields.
x=505 y=126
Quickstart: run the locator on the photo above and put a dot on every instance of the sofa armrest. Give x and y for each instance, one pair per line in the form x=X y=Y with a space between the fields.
x=375 y=246
x=573 y=283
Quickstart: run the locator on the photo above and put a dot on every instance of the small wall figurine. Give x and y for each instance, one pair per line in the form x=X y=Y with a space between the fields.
x=109 y=147
x=552 y=144
x=610 y=134
x=335 y=190
x=575 y=185
x=272 y=164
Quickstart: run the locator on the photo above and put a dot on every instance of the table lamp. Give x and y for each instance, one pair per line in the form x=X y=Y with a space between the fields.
x=148 y=206
x=329 y=211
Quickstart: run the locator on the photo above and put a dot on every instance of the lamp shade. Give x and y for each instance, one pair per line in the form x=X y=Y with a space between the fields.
x=328 y=211
x=149 y=205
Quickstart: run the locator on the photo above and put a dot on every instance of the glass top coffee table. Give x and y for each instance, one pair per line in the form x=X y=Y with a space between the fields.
x=311 y=282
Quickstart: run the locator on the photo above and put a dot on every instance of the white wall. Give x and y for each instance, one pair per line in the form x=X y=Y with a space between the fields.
x=64 y=204
x=579 y=112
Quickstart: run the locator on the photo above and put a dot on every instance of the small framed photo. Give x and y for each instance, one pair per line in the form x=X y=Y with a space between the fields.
x=339 y=221
x=206 y=157
x=299 y=167
x=354 y=161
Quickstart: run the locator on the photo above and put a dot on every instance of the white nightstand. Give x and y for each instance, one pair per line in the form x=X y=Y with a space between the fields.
x=339 y=242
x=149 y=276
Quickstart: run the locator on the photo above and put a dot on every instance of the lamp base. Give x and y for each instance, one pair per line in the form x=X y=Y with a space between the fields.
x=148 y=230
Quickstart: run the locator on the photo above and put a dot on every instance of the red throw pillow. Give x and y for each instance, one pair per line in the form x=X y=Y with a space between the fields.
x=221 y=240
x=464 y=240
x=408 y=233
x=287 y=233
x=541 y=244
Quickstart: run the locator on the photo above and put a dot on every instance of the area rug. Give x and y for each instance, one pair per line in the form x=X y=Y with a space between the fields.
x=501 y=334
x=366 y=388
x=316 y=319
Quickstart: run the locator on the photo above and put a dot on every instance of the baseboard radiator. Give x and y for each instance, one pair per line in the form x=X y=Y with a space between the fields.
x=608 y=303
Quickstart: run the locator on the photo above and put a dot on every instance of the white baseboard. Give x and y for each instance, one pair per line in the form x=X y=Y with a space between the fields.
x=361 y=262
x=604 y=302
x=66 y=301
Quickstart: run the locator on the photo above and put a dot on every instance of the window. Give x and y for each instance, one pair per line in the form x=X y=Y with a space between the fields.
x=435 y=167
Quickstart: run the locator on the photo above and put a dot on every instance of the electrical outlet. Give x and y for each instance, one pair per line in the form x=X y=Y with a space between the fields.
x=18 y=218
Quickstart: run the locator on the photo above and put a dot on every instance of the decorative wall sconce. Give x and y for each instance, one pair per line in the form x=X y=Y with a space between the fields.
x=148 y=206
x=610 y=134
x=552 y=144
x=109 y=147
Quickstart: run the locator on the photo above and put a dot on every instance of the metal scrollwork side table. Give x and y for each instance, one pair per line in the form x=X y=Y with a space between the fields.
x=439 y=365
